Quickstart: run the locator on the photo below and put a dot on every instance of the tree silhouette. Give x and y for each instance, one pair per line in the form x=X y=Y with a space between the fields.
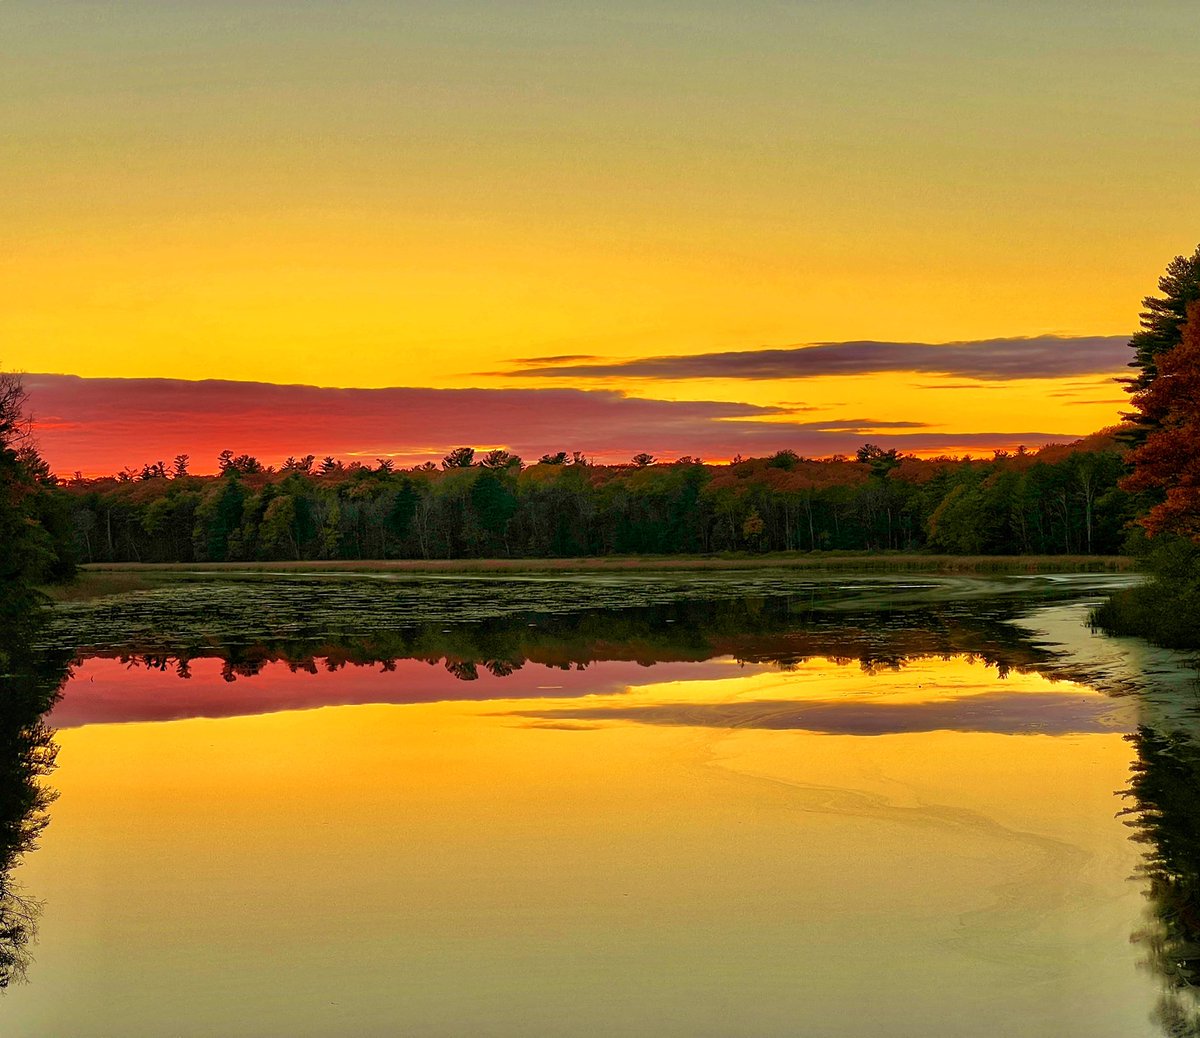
x=459 y=458
x=1163 y=317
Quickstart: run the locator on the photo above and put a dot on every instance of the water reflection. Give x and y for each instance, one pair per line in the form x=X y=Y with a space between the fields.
x=584 y=653
x=743 y=665
x=28 y=687
x=1164 y=812
x=1045 y=713
x=778 y=630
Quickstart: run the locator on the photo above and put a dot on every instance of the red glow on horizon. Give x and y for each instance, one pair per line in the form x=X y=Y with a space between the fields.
x=97 y=427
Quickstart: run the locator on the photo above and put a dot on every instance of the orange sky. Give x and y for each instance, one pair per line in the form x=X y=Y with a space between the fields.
x=380 y=194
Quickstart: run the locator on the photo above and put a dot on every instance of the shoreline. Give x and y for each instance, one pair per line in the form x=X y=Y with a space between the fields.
x=99 y=579
x=802 y=560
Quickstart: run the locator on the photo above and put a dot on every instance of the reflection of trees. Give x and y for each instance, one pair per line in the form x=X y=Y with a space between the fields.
x=27 y=752
x=1165 y=814
x=776 y=630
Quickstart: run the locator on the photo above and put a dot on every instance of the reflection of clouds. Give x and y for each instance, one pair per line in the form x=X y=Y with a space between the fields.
x=1002 y=712
x=562 y=726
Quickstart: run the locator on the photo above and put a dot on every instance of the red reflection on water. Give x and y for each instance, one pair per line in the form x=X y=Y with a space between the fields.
x=108 y=691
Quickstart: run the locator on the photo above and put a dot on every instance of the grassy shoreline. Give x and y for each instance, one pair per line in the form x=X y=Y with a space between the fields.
x=97 y=580
x=1165 y=610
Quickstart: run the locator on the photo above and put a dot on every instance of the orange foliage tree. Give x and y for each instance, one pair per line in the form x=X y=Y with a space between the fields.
x=1169 y=459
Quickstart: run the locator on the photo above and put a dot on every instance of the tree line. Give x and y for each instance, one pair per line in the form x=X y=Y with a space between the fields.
x=1063 y=499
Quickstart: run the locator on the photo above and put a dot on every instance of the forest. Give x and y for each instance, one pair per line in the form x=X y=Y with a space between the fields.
x=1059 y=500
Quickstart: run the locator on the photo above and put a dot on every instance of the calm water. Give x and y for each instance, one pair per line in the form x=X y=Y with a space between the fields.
x=742 y=807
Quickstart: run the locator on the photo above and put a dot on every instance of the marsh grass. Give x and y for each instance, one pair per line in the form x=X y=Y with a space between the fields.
x=93 y=583
x=91 y=580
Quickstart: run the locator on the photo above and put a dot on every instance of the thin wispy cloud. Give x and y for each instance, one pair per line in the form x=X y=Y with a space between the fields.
x=1039 y=357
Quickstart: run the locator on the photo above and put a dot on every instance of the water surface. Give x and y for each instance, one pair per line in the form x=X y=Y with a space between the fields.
x=757 y=807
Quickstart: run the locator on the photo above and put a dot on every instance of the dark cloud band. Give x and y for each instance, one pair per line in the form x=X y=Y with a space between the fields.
x=1046 y=356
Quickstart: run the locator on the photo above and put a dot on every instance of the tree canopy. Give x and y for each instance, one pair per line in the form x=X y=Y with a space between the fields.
x=1162 y=319
x=1167 y=462
x=1059 y=500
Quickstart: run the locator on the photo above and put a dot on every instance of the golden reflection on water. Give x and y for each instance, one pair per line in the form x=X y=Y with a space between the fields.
x=489 y=868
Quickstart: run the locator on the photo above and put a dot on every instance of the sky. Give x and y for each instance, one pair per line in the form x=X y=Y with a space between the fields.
x=626 y=226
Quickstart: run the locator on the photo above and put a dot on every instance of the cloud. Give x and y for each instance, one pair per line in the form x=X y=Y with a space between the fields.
x=1045 y=356
x=101 y=425
x=858 y=424
x=561 y=358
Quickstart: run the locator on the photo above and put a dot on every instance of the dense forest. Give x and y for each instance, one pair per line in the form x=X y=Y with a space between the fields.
x=1058 y=500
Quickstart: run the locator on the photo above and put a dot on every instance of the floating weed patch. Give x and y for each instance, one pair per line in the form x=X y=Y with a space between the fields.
x=195 y=610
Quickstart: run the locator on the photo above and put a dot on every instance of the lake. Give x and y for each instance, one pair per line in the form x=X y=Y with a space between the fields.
x=734 y=804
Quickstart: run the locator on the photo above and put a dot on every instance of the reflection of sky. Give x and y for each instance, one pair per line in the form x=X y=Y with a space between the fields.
x=1047 y=714
x=449 y=868
x=927 y=694
x=107 y=690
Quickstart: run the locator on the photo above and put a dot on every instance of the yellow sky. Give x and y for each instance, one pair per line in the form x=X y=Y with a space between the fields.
x=372 y=194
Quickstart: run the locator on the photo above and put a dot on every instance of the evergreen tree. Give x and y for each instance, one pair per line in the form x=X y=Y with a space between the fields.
x=1163 y=318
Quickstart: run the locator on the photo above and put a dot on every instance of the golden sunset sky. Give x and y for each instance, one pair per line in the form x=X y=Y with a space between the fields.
x=433 y=196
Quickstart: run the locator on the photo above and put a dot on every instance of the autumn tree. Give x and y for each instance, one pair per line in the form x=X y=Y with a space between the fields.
x=1168 y=461
x=753 y=526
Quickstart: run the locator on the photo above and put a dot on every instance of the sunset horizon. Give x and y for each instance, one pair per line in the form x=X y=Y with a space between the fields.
x=641 y=519
x=832 y=218
x=100 y=426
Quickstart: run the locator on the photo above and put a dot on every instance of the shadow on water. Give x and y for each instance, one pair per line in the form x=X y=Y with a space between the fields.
x=29 y=685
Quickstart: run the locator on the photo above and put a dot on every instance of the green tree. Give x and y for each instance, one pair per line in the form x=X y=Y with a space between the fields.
x=28 y=552
x=277 y=533
x=494 y=504
x=219 y=518
x=1163 y=318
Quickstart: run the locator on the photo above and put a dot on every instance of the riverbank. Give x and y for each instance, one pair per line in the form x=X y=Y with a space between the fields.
x=100 y=579
x=1165 y=609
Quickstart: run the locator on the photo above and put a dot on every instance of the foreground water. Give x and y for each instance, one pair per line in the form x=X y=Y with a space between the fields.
x=832 y=809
